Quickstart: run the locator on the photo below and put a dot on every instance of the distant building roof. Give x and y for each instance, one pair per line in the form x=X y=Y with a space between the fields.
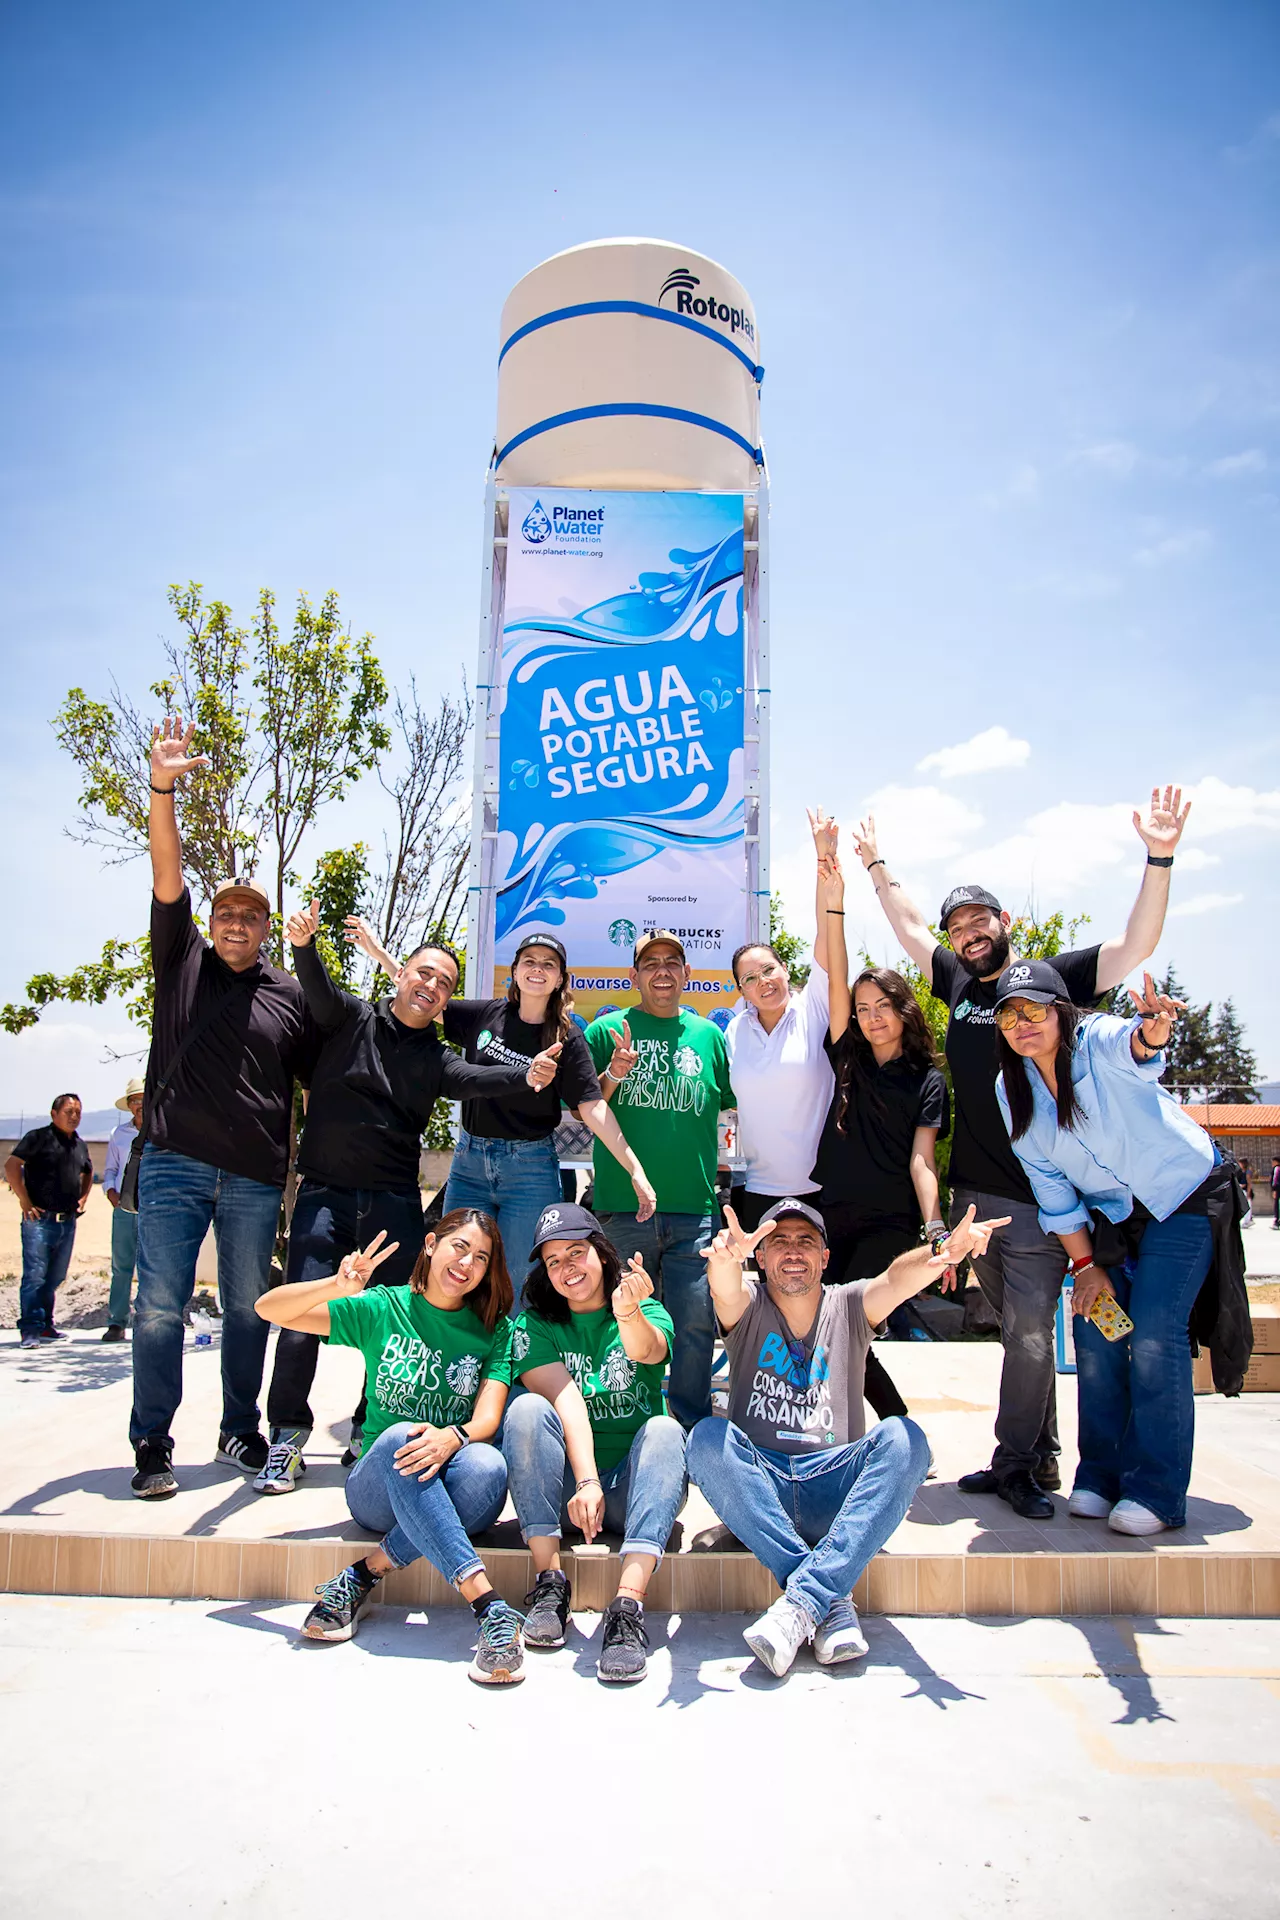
x=1251 y=1119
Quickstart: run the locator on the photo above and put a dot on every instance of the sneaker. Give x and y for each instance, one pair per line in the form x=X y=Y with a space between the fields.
x=1086 y=1505
x=112 y=1335
x=1024 y=1496
x=340 y=1601
x=622 y=1650
x=154 y=1479
x=354 y=1448
x=51 y=1333
x=499 y=1660
x=778 y=1635
x=1127 y=1516
x=248 y=1451
x=30 y=1340
x=547 y=1620
x=284 y=1461
x=839 y=1637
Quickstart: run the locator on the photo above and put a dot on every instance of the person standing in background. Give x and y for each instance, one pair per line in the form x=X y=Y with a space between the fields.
x=124 y=1224
x=1275 y=1191
x=51 y=1175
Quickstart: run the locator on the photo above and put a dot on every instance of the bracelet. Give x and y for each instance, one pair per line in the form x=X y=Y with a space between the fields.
x=1151 y=1045
x=1159 y=859
x=155 y=789
x=1082 y=1265
x=932 y=1227
x=592 y=1480
x=627 y=1316
x=463 y=1437
x=874 y=863
x=837 y=911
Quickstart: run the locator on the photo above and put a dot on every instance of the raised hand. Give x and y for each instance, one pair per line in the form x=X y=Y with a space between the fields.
x=967 y=1237
x=1161 y=831
x=544 y=1066
x=825 y=831
x=634 y=1285
x=733 y=1242
x=1157 y=1009
x=831 y=881
x=301 y=927
x=171 y=754
x=356 y=1270
x=624 y=1055
x=358 y=933
x=864 y=840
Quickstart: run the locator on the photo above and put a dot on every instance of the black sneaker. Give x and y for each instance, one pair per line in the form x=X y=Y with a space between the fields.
x=248 y=1451
x=51 y=1333
x=622 y=1651
x=499 y=1656
x=113 y=1334
x=154 y=1479
x=547 y=1620
x=983 y=1481
x=1024 y=1496
x=335 y=1613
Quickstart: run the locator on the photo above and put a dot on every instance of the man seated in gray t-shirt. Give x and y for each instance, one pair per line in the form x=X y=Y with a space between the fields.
x=792 y=1471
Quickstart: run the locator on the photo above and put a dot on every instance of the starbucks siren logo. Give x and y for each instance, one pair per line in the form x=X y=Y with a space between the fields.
x=520 y=1344
x=688 y=1062
x=618 y=1372
x=463 y=1375
x=623 y=933
x=536 y=527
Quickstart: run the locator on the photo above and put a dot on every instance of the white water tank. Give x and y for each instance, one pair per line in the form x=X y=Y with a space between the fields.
x=630 y=364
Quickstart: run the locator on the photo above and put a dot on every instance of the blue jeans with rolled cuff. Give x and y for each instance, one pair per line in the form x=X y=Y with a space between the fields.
x=1137 y=1412
x=815 y=1520
x=124 y=1258
x=46 y=1255
x=672 y=1246
x=178 y=1199
x=643 y=1493
x=428 y=1519
x=511 y=1179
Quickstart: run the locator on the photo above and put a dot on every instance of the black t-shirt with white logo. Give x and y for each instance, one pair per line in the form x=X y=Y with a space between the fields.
x=982 y=1155
x=492 y=1034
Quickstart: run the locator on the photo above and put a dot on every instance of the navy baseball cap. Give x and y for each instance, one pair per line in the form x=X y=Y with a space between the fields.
x=564 y=1220
x=966 y=897
x=784 y=1209
x=546 y=940
x=1031 y=980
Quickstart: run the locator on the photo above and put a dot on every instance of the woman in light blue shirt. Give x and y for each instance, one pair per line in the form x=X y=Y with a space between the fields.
x=1097 y=1134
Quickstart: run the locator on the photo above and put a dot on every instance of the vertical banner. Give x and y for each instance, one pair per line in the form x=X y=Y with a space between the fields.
x=621 y=751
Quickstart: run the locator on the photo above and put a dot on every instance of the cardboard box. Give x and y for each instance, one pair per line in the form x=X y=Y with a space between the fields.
x=1266 y=1329
x=1263 y=1375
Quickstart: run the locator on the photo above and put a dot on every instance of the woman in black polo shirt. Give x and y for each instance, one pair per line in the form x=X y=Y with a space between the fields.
x=876 y=1167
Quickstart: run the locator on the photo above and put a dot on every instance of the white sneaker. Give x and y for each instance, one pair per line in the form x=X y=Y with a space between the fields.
x=778 y=1635
x=1128 y=1517
x=1088 y=1506
x=839 y=1637
x=284 y=1461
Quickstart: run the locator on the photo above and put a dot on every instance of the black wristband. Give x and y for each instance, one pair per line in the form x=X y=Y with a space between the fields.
x=155 y=789
x=1151 y=1045
x=838 y=912
x=874 y=863
x=1159 y=859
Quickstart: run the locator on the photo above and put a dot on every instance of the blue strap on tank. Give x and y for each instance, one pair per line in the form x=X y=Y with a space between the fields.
x=629 y=407
x=632 y=306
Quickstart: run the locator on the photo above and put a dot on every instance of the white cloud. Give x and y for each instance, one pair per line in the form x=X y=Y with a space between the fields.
x=1252 y=460
x=1058 y=848
x=1203 y=903
x=1195 y=859
x=921 y=823
x=1218 y=808
x=1118 y=457
x=1174 y=546
x=984 y=753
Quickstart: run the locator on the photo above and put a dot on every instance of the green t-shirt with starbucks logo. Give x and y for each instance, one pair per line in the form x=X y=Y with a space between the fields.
x=668 y=1108
x=620 y=1395
x=422 y=1363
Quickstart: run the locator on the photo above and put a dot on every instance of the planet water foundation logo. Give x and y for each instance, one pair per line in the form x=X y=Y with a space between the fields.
x=536 y=527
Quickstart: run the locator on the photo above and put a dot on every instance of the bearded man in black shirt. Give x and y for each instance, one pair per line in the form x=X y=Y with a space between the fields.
x=1022 y=1271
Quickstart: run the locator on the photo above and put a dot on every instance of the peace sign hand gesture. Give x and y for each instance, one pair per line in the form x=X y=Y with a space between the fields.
x=171 y=754
x=302 y=926
x=624 y=1055
x=734 y=1242
x=1161 y=831
x=1159 y=1012
x=634 y=1285
x=357 y=1269
x=864 y=841
x=825 y=831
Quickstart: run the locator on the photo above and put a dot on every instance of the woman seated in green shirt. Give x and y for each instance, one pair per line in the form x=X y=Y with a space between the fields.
x=589 y=1441
x=438 y=1359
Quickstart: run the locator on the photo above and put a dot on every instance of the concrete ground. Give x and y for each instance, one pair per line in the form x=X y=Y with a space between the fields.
x=170 y=1759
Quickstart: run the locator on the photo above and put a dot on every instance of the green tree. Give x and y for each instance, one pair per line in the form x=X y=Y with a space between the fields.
x=341 y=884
x=1235 y=1065
x=787 y=946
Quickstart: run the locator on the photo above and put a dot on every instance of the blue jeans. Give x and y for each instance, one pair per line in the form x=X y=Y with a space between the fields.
x=46 y=1255
x=672 y=1244
x=1137 y=1414
x=328 y=1223
x=814 y=1519
x=511 y=1179
x=124 y=1258
x=643 y=1493
x=178 y=1199
x=432 y=1518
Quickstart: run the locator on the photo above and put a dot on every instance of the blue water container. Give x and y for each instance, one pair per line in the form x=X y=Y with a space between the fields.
x=1064 y=1344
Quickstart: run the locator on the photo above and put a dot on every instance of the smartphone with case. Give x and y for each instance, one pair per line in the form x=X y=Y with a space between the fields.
x=1110 y=1318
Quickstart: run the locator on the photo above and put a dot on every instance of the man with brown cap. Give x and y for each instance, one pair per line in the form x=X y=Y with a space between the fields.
x=124 y=1222
x=230 y=1034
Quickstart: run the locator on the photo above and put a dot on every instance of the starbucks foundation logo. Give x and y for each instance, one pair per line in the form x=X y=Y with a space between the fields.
x=623 y=933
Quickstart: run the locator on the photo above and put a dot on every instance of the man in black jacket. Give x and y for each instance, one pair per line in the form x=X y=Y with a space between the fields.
x=380 y=1072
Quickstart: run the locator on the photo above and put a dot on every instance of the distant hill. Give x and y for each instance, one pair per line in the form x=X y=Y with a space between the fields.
x=1269 y=1093
x=93 y=1126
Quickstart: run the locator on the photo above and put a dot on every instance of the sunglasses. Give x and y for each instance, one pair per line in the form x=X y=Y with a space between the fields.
x=1033 y=1011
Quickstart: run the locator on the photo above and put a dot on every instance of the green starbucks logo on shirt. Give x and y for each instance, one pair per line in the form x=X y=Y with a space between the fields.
x=617 y=1372
x=463 y=1375
x=688 y=1061
x=483 y=1039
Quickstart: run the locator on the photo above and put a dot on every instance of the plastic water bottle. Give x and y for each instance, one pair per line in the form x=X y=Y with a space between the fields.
x=202 y=1327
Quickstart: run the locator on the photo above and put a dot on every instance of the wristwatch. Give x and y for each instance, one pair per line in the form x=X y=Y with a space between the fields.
x=463 y=1437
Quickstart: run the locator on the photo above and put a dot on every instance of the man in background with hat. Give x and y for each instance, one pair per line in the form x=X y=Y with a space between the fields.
x=792 y=1471
x=229 y=1036
x=124 y=1223
x=665 y=1071
x=1022 y=1274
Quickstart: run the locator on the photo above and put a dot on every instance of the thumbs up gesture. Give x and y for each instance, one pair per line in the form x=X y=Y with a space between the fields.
x=624 y=1055
x=302 y=925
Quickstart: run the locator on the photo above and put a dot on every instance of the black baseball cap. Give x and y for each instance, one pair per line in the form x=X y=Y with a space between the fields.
x=783 y=1209
x=966 y=897
x=547 y=940
x=564 y=1220
x=1031 y=980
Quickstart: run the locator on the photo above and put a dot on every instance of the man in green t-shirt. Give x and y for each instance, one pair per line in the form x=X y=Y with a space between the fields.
x=665 y=1072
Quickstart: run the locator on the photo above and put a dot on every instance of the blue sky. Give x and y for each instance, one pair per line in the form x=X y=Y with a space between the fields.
x=1016 y=273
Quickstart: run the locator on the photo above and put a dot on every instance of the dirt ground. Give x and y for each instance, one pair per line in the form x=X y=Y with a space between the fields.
x=82 y=1297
